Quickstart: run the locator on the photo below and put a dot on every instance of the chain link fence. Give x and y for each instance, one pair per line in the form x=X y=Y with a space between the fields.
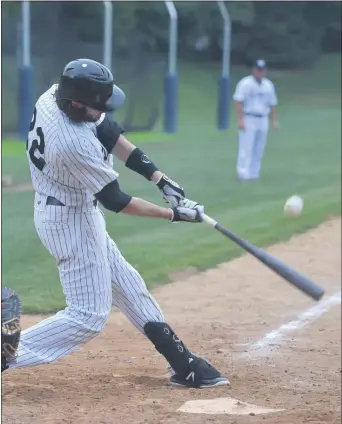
x=56 y=40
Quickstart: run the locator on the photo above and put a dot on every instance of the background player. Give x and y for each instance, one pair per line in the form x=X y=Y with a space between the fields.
x=255 y=98
x=69 y=148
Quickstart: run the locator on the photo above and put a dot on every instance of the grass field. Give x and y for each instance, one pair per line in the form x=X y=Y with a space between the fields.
x=303 y=156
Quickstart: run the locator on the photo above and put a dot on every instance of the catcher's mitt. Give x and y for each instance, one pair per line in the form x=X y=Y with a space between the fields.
x=10 y=324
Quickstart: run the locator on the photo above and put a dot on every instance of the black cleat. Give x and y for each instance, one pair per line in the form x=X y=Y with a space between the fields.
x=202 y=375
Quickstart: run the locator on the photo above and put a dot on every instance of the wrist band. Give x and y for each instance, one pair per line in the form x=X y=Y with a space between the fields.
x=140 y=163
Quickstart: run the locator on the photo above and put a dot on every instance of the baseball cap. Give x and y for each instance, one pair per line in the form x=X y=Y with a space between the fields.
x=260 y=64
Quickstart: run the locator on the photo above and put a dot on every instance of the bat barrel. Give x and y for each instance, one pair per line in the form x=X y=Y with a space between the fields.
x=295 y=278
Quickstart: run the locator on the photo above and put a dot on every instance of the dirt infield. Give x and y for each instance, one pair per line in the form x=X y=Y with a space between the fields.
x=220 y=314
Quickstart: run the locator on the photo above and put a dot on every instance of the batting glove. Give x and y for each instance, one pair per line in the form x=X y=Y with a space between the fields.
x=172 y=192
x=187 y=211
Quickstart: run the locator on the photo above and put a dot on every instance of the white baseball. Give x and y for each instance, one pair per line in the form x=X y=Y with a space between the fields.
x=293 y=206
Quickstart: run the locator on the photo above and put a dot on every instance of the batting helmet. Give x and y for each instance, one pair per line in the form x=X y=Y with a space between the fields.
x=90 y=83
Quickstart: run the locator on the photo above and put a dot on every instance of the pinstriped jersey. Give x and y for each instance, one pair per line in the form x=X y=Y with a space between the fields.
x=66 y=159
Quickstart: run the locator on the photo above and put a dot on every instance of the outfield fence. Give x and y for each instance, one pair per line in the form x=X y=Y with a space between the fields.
x=146 y=70
x=55 y=42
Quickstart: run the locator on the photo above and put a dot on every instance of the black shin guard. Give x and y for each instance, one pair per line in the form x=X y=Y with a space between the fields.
x=168 y=344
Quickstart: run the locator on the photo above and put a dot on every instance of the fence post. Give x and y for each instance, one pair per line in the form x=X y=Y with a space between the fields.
x=25 y=89
x=107 y=34
x=224 y=81
x=171 y=78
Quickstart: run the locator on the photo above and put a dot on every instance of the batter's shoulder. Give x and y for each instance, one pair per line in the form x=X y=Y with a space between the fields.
x=46 y=100
x=49 y=93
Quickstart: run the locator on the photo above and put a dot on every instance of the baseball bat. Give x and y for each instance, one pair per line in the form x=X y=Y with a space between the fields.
x=297 y=279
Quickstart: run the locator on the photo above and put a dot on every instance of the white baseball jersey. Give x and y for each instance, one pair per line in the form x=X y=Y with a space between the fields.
x=66 y=160
x=257 y=98
x=69 y=163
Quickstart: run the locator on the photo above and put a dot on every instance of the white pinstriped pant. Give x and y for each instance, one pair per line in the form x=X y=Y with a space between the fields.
x=94 y=276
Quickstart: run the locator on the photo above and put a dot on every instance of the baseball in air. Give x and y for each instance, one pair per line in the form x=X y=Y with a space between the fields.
x=293 y=206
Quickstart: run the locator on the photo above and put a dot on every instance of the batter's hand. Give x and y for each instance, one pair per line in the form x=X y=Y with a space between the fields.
x=187 y=211
x=172 y=192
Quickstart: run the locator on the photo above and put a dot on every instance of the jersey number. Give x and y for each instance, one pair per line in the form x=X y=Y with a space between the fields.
x=37 y=144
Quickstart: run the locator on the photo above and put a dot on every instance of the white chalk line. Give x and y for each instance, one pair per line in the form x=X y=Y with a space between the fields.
x=276 y=337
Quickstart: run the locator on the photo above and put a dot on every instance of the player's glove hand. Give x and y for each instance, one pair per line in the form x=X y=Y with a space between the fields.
x=187 y=211
x=10 y=324
x=172 y=192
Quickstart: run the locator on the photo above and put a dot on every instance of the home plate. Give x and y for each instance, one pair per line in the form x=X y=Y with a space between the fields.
x=224 y=405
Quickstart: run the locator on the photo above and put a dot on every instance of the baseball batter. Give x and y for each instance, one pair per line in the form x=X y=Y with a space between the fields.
x=70 y=148
x=255 y=98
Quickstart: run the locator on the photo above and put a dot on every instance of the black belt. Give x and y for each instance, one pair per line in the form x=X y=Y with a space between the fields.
x=52 y=201
x=255 y=115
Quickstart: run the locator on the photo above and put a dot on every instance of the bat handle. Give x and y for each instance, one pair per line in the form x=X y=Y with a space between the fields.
x=207 y=220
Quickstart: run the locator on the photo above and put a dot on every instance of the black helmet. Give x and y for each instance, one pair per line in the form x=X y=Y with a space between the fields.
x=91 y=84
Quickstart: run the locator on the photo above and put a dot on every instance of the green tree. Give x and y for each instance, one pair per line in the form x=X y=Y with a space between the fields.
x=286 y=34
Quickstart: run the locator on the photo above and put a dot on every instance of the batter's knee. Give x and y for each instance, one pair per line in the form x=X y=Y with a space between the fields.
x=90 y=321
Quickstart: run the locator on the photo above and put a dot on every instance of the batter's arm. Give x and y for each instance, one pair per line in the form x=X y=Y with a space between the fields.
x=112 y=198
x=111 y=136
x=185 y=212
x=136 y=160
x=123 y=149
